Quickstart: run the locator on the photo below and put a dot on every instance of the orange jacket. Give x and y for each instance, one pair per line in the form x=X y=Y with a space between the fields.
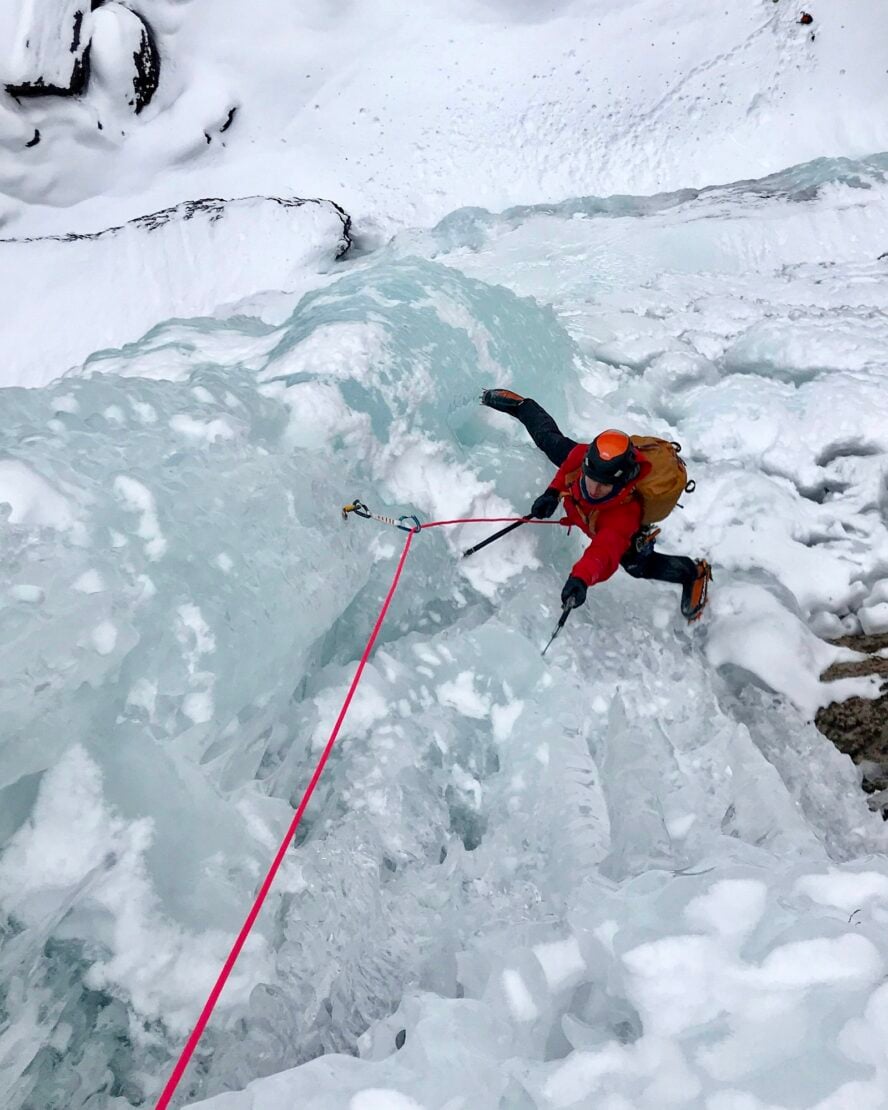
x=611 y=523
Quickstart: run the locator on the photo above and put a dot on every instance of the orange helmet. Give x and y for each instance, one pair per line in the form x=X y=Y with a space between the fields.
x=610 y=458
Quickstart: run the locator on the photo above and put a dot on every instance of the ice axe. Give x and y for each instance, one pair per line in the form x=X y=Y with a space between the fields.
x=496 y=535
x=562 y=620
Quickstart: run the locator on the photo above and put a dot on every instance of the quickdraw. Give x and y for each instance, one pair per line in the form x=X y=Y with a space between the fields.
x=407 y=523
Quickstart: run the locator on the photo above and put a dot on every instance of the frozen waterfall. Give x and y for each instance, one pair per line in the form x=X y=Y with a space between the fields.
x=628 y=874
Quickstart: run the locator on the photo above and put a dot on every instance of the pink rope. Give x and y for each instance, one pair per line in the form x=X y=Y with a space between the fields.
x=492 y=520
x=210 y=1004
x=197 y=1031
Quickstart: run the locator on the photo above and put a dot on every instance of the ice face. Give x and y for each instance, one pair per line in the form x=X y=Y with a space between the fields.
x=628 y=871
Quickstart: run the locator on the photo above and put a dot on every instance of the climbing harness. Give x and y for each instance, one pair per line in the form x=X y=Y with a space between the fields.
x=644 y=541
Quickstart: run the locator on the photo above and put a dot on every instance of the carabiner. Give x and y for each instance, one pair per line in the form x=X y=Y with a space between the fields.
x=356 y=507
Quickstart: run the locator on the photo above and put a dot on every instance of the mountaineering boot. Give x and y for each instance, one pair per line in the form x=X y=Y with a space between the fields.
x=503 y=400
x=694 y=594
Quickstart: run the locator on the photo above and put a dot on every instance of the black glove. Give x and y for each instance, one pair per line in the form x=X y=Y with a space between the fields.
x=574 y=592
x=545 y=504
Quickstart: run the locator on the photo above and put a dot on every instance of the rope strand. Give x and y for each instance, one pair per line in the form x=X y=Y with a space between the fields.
x=210 y=1004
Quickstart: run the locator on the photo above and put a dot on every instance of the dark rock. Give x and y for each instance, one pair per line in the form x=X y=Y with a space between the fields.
x=805 y=18
x=78 y=23
x=400 y=1038
x=147 y=63
x=38 y=87
x=214 y=206
x=63 y=82
x=859 y=726
x=36 y=138
x=229 y=119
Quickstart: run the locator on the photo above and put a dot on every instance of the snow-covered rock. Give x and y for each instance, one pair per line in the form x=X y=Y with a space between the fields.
x=79 y=294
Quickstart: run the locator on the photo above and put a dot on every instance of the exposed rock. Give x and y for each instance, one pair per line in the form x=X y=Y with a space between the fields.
x=36 y=139
x=54 y=55
x=39 y=87
x=859 y=726
x=213 y=207
x=805 y=18
x=147 y=63
x=146 y=60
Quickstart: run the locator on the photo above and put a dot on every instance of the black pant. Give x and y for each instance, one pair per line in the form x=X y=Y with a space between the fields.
x=556 y=446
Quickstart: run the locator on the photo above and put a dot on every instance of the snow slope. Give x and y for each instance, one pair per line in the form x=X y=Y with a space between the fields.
x=82 y=295
x=489 y=102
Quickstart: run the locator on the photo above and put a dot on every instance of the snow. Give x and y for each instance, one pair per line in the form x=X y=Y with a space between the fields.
x=731 y=908
x=561 y=960
x=461 y=695
x=25 y=592
x=377 y=1098
x=518 y=997
x=207 y=430
x=503 y=718
x=874 y=618
x=104 y=637
x=810 y=963
x=139 y=499
x=628 y=874
x=846 y=891
x=198 y=706
x=33 y=502
x=756 y=633
x=46 y=872
x=488 y=104
x=108 y=289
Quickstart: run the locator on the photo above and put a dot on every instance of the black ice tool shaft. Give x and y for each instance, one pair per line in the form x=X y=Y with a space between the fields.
x=562 y=620
x=496 y=535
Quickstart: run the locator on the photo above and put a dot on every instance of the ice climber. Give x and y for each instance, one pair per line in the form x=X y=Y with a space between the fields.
x=597 y=485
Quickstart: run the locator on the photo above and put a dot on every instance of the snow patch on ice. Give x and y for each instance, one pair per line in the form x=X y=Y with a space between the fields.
x=104 y=637
x=561 y=961
x=139 y=499
x=846 y=890
x=160 y=968
x=90 y=582
x=379 y=1098
x=33 y=502
x=518 y=997
x=460 y=694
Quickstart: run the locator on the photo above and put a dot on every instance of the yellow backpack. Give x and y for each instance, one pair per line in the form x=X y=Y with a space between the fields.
x=667 y=480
